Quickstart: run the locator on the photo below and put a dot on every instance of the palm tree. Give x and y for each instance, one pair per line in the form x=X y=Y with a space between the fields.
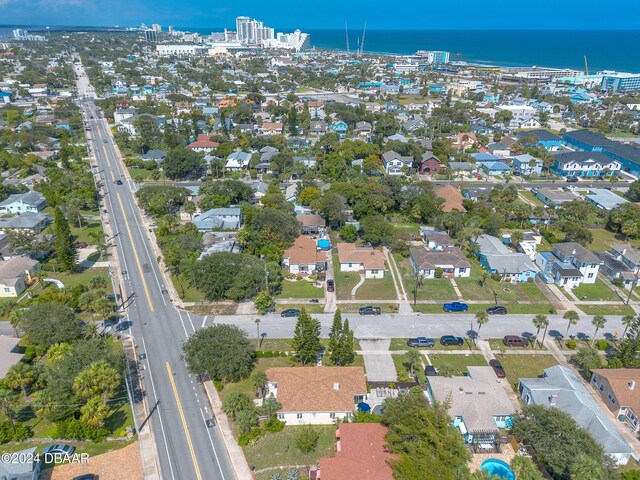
x=91 y=329
x=481 y=319
x=540 y=322
x=599 y=322
x=257 y=321
x=276 y=476
x=627 y=321
x=20 y=376
x=572 y=317
x=413 y=359
x=94 y=412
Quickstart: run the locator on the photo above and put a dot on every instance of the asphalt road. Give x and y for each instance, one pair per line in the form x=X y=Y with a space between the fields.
x=187 y=448
x=428 y=325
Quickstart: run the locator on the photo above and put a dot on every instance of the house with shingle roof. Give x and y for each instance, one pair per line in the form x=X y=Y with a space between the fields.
x=560 y=388
x=365 y=260
x=619 y=389
x=452 y=199
x=218 y=219
x=570 y=264
x=450 y=260
x=497 y=258
x=15 y=273
x=302 y=257
x=23 y=202
x=315 y=395
x=621 y=261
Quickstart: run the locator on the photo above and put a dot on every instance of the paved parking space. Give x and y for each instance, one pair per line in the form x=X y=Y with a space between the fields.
x=379 y=366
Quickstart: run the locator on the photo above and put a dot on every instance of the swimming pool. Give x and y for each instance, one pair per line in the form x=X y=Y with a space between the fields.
x=498 y=468
x=324 y=244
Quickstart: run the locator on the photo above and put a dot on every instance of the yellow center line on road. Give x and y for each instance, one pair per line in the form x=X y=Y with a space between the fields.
x=113 y=177
x=104 y=149
x=135 y=253
x=184 y=422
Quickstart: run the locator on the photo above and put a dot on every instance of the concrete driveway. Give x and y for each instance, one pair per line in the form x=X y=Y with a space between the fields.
x=378 y=361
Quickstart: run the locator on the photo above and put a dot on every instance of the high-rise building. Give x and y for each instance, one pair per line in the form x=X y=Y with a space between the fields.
x=150 y=35
x=170 y=29
x=156 y=27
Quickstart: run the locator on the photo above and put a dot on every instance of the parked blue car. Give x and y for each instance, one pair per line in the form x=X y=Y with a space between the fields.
x=455 y=307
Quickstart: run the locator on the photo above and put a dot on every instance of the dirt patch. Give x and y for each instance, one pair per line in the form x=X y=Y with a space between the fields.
x=123 y=464
x=215 y=309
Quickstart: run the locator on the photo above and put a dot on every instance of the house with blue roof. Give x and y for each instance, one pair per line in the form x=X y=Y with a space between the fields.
x=527 y=165
x=495 y=169
x=339 y=127
x=541 y=138
x=498 y=259
x=484 y=157
x=218 y=219
x=5 y=97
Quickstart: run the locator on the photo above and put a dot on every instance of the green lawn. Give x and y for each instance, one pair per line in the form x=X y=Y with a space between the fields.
x=83 y=277
x=276 y=449
x=187 y=292
x=431 y=289
x=300 y=289
x=607 y=309
x=603 y=239
x=512 y=308
x=140 y=172
x=377 y=289
x=345 y=281
x=598 y=291
x=531 y=197
x=402 y=369
x=401 y=344
x=525 y=366
x=354 y=307
x=458 y=362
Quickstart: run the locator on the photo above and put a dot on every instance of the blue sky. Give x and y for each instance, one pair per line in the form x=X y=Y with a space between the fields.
x=330 y=14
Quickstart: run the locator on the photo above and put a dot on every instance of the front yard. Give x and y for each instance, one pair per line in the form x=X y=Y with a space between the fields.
x=431 y=289
x=457 y=362
x=525 y=366
x=596 y=292
x=300 y=289
x=404 y=372
x=377 y=289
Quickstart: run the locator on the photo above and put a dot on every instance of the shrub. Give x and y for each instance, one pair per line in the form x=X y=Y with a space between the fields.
x=602 y=344
x=307 y=439
x=495 y=277
x=7 y=433
x=572 y=344
x=219 y=385
x=76 y=430
x=274 y=425
x=552 y=310
x=249 y=437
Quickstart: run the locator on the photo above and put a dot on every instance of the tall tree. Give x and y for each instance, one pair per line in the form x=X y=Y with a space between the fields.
x=334 y=338
x=306 y=338
x=20 y=376
x=598 y=321
x=94 y=412
x=627 y=321
x=540 y=322
x=65 y=251
x=99 y=378
x=482 y=317
x=346 y=344
x=572 y=317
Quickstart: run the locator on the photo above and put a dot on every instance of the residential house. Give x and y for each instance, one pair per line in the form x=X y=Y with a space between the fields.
x=365 y=260
x=315 y=395
x=204 y=144
x=156 y=155
x=26 y=465
x=524 y=122
x=303 y=257
x=363 y=129
x=617 y=388
x=570 y=264
x=29 y=221
x=498 y=259
x=218 y=219
x=312 y=224
x=317 y=127
x=478 y=404
x=316 y=110
x=555 y=196
x=429 y=163
x=604 y=199
x=460 y=169
x=339 y=127
x=495 y=169
x=413 y=124
x=259 y=190
x=398 y=137
x=237 y=161
x=435 y=239
x=560 y=388
x=541 y=138
x=396 y=164
x=527 y=165
x=309 y=162
x=464 y=140
x=452 y=199
x=15 y=274
x=128 y=125
x=585 y=164
x=361 y=454
x=271 y=128
x=449 y=262
x=621 y=261
x=23 y=202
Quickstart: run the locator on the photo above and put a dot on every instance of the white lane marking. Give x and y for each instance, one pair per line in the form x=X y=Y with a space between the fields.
x=212 y=446
x=153 y=387
x=204 y=321
x=183 y=327
x=189 y=317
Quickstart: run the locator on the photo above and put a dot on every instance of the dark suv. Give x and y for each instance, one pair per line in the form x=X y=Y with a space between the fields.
x=421 y=342
x=497 y=310
x=331 y=286
x=369 y=310
x=447 y=340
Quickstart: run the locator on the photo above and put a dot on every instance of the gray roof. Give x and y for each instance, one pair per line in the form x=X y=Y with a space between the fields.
x=26 y=220
x=218 y=218
x=573 y=249
x=461 y=166
x=11 y=470
x=605 y=198
x=30 y=198
x=574 y=399
x=593 y=158
x=476 y=398
x=427 y=260
x=490 y=245
x=631 y=253
x=510 y=263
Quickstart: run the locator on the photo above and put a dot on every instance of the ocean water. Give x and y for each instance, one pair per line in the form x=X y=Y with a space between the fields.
x=605 y=49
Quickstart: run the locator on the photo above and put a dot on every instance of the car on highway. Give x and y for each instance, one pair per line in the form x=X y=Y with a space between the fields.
x=369 y=310
x=290 y=312
x=497 y=310
x=455 y=307
x=572 y=179
x=421 y=342
x=447 y=340
x=59 y=448
x=497 y=367
x=104 y=141
x=118 y=182
x=331 y=286
x=515 y=341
